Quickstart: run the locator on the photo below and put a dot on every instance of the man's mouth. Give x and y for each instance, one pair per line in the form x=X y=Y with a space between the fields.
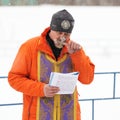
x=59 y=43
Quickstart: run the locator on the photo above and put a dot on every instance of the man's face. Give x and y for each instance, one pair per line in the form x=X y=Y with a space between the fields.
x=59 y=38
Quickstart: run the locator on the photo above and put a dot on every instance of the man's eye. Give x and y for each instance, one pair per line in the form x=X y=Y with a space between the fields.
x=60 y=33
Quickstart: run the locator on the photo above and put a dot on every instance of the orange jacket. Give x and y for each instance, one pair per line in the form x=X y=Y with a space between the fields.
x=23 y=74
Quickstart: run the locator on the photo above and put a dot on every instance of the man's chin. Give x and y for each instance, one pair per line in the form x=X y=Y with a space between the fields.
x=59 y=46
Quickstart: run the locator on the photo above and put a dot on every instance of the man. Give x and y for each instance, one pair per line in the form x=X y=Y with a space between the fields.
x=37 y=58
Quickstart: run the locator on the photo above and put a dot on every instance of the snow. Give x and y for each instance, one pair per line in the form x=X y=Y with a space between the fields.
x=97 y=29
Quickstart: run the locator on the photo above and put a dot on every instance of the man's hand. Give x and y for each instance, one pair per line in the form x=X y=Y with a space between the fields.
x=72 y=46
x=50 y=91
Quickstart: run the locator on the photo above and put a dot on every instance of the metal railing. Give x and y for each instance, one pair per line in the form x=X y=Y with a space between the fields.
x=93 y=100
x=101 y=99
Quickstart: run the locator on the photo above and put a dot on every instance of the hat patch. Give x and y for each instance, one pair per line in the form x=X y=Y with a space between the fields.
x=65 y=24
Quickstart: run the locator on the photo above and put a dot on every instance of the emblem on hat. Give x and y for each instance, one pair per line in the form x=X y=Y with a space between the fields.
x=65 y=24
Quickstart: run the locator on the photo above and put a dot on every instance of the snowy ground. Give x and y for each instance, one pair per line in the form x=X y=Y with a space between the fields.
x=97 y=29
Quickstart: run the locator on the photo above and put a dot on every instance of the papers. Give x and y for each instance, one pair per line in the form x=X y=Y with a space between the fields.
x=65 y=81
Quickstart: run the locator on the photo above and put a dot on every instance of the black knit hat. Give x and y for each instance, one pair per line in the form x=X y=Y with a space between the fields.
x=62 y=21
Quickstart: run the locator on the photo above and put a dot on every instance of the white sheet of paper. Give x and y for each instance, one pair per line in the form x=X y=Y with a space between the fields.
x=65 y=81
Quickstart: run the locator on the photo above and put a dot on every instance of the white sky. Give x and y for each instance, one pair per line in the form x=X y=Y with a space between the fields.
x=97 y=29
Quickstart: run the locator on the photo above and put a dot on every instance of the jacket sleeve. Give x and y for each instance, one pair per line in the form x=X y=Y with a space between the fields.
x=83 y=64
x=20 y=78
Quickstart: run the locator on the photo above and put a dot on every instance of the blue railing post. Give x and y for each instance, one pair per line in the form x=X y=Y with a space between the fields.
x=93 y=109
x=114 y=85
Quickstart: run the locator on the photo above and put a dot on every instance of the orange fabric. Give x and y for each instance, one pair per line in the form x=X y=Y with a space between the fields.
x=23 y=74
